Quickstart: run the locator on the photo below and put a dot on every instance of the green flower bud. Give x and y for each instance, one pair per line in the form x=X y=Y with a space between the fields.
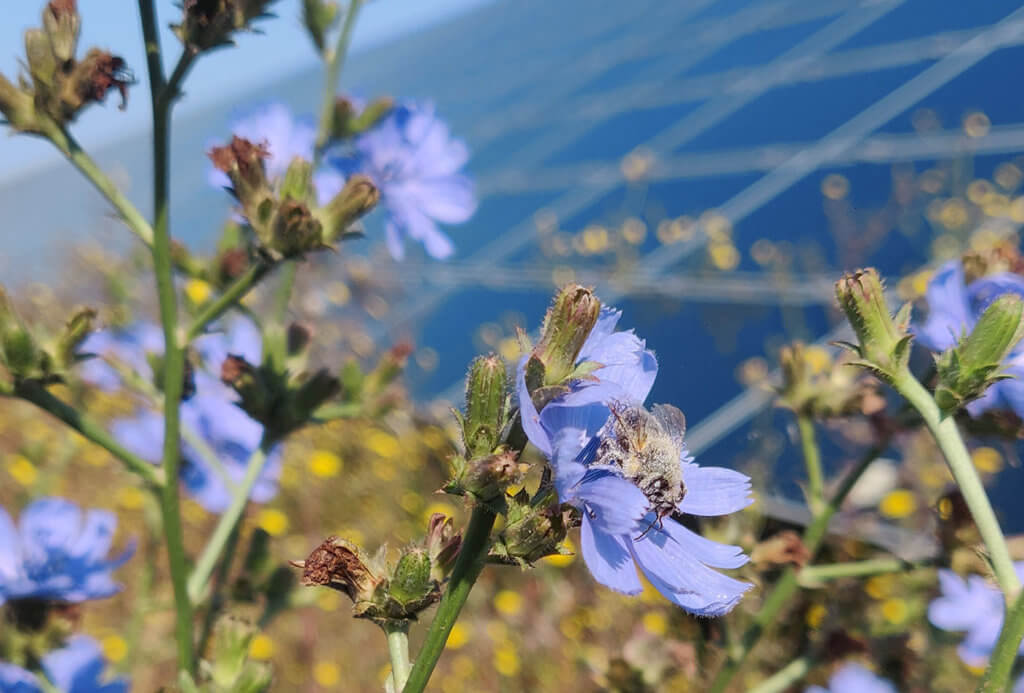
x=969 y=368
x=228 y=667
x=411 y=582
x=319 y=16
x=298 y=180
x=533 y=529
x=74 y=333
x=17 y=107
x=62 y=23
x=42 y=63
x=566 y=327
x=884 y=341
x=486 y=401
x=357 y=198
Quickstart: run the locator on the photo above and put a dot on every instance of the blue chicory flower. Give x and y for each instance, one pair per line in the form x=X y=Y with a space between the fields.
x=854 y=678
x=58 y=553
x=954 y=307
x=127 y=346
x=415 y=162
x=677 y=561
x=973 y=605
x=213 y=416
x=75 y=668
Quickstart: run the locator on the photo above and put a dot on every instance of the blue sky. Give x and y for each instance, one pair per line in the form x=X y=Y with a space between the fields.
x=282 y=48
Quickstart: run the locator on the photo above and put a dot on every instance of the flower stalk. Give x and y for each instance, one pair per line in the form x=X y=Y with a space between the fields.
x=398 y=650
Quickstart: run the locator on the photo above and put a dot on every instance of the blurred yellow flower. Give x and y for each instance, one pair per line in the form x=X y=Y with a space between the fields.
x=324 y=464
x=22 y=470
x=114 y=647
x=655 y=622
x=261 y=647
x=326 y=673
x=508 y=602
x=458 y=636
x=898 y=504
x=273 y=521
x=506 y=659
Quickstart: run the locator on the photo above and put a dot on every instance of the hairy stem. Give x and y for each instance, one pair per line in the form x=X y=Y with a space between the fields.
x=947 y=435
x=174 y=356
x=472 y=556
x=787 y=585
x=398 y=650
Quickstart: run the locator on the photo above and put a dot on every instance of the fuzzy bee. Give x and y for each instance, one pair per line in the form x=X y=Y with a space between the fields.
x=646 y=447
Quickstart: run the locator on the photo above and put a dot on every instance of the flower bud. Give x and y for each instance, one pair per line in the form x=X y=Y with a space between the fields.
x=298 y=180
x=206 y=24
x=567 y=325
x=228 y=667
x=486 y=401
x=42 y=63
x=486 y=478
x=443 y=544
x=346 y=122
x=357 y=198
x=884 y=341
x=969 y=368
x=411 y=582
x=533 y=530
x=62 y=23
x=74 y=333
x=17 y=107
x=814 y=384
x=319 y=16
x=296 y=231
x=19 y=352
x=242 y=161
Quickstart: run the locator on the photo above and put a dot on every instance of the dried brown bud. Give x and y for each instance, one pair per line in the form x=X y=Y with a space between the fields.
x=781 y=548
x=337 y=564
x=234 y=369
x=98 y=73
x=232 y=263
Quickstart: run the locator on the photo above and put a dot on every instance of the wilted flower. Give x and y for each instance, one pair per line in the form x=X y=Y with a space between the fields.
x=854 y=678
x=284 y=137
x=954 y=307
x=213 y=426
x=416 y=164
x=58 y=553
x=972 y=605
x=75 y=668
x=622 y=527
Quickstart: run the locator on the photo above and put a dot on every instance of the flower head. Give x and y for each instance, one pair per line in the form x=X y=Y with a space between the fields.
x=416 y=164
x=974 y=606
x=854 y=678
x=954 y=307
x=586 y=434
x=219 y=438
x=58 y=553
x=75 y=668
x=126 y=346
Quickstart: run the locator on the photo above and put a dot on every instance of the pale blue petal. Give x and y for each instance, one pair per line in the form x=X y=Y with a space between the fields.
x=709 y=552
x=608 y=559
x=714 y=491
x=615 y=506
x=528 y=412
x=948 y=309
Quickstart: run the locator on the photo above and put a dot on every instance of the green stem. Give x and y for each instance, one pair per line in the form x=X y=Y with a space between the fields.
x=70 y=148
x=335 y=61
x=231 y=295
x=89 y=429
x=785 y=677
x=398 y=650
x=1000 y=664
x=174 y=356
x=220 y=580
x=813 y=575
x=947 y=435
x=472 y=556
x=226 y=526
x=812 y=460
x=787 y=585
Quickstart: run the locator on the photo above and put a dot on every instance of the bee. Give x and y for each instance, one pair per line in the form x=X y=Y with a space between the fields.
x=646 y=447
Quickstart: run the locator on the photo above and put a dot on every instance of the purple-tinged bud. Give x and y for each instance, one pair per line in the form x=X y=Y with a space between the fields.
x=969 y=368
x=486 y=403
x=357 y=198
x=884 y=341
x=319 y=16
x=62 y=24
x=443 y=544
x=567 y=325
x=242 y=162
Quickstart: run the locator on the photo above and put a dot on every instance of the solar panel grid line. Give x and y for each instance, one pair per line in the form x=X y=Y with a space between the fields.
x=711 y=35
x=846 y=136
x=747 y=288
x=575 y=200
x=554 y=139
x=639 y=97
x=879 y=149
